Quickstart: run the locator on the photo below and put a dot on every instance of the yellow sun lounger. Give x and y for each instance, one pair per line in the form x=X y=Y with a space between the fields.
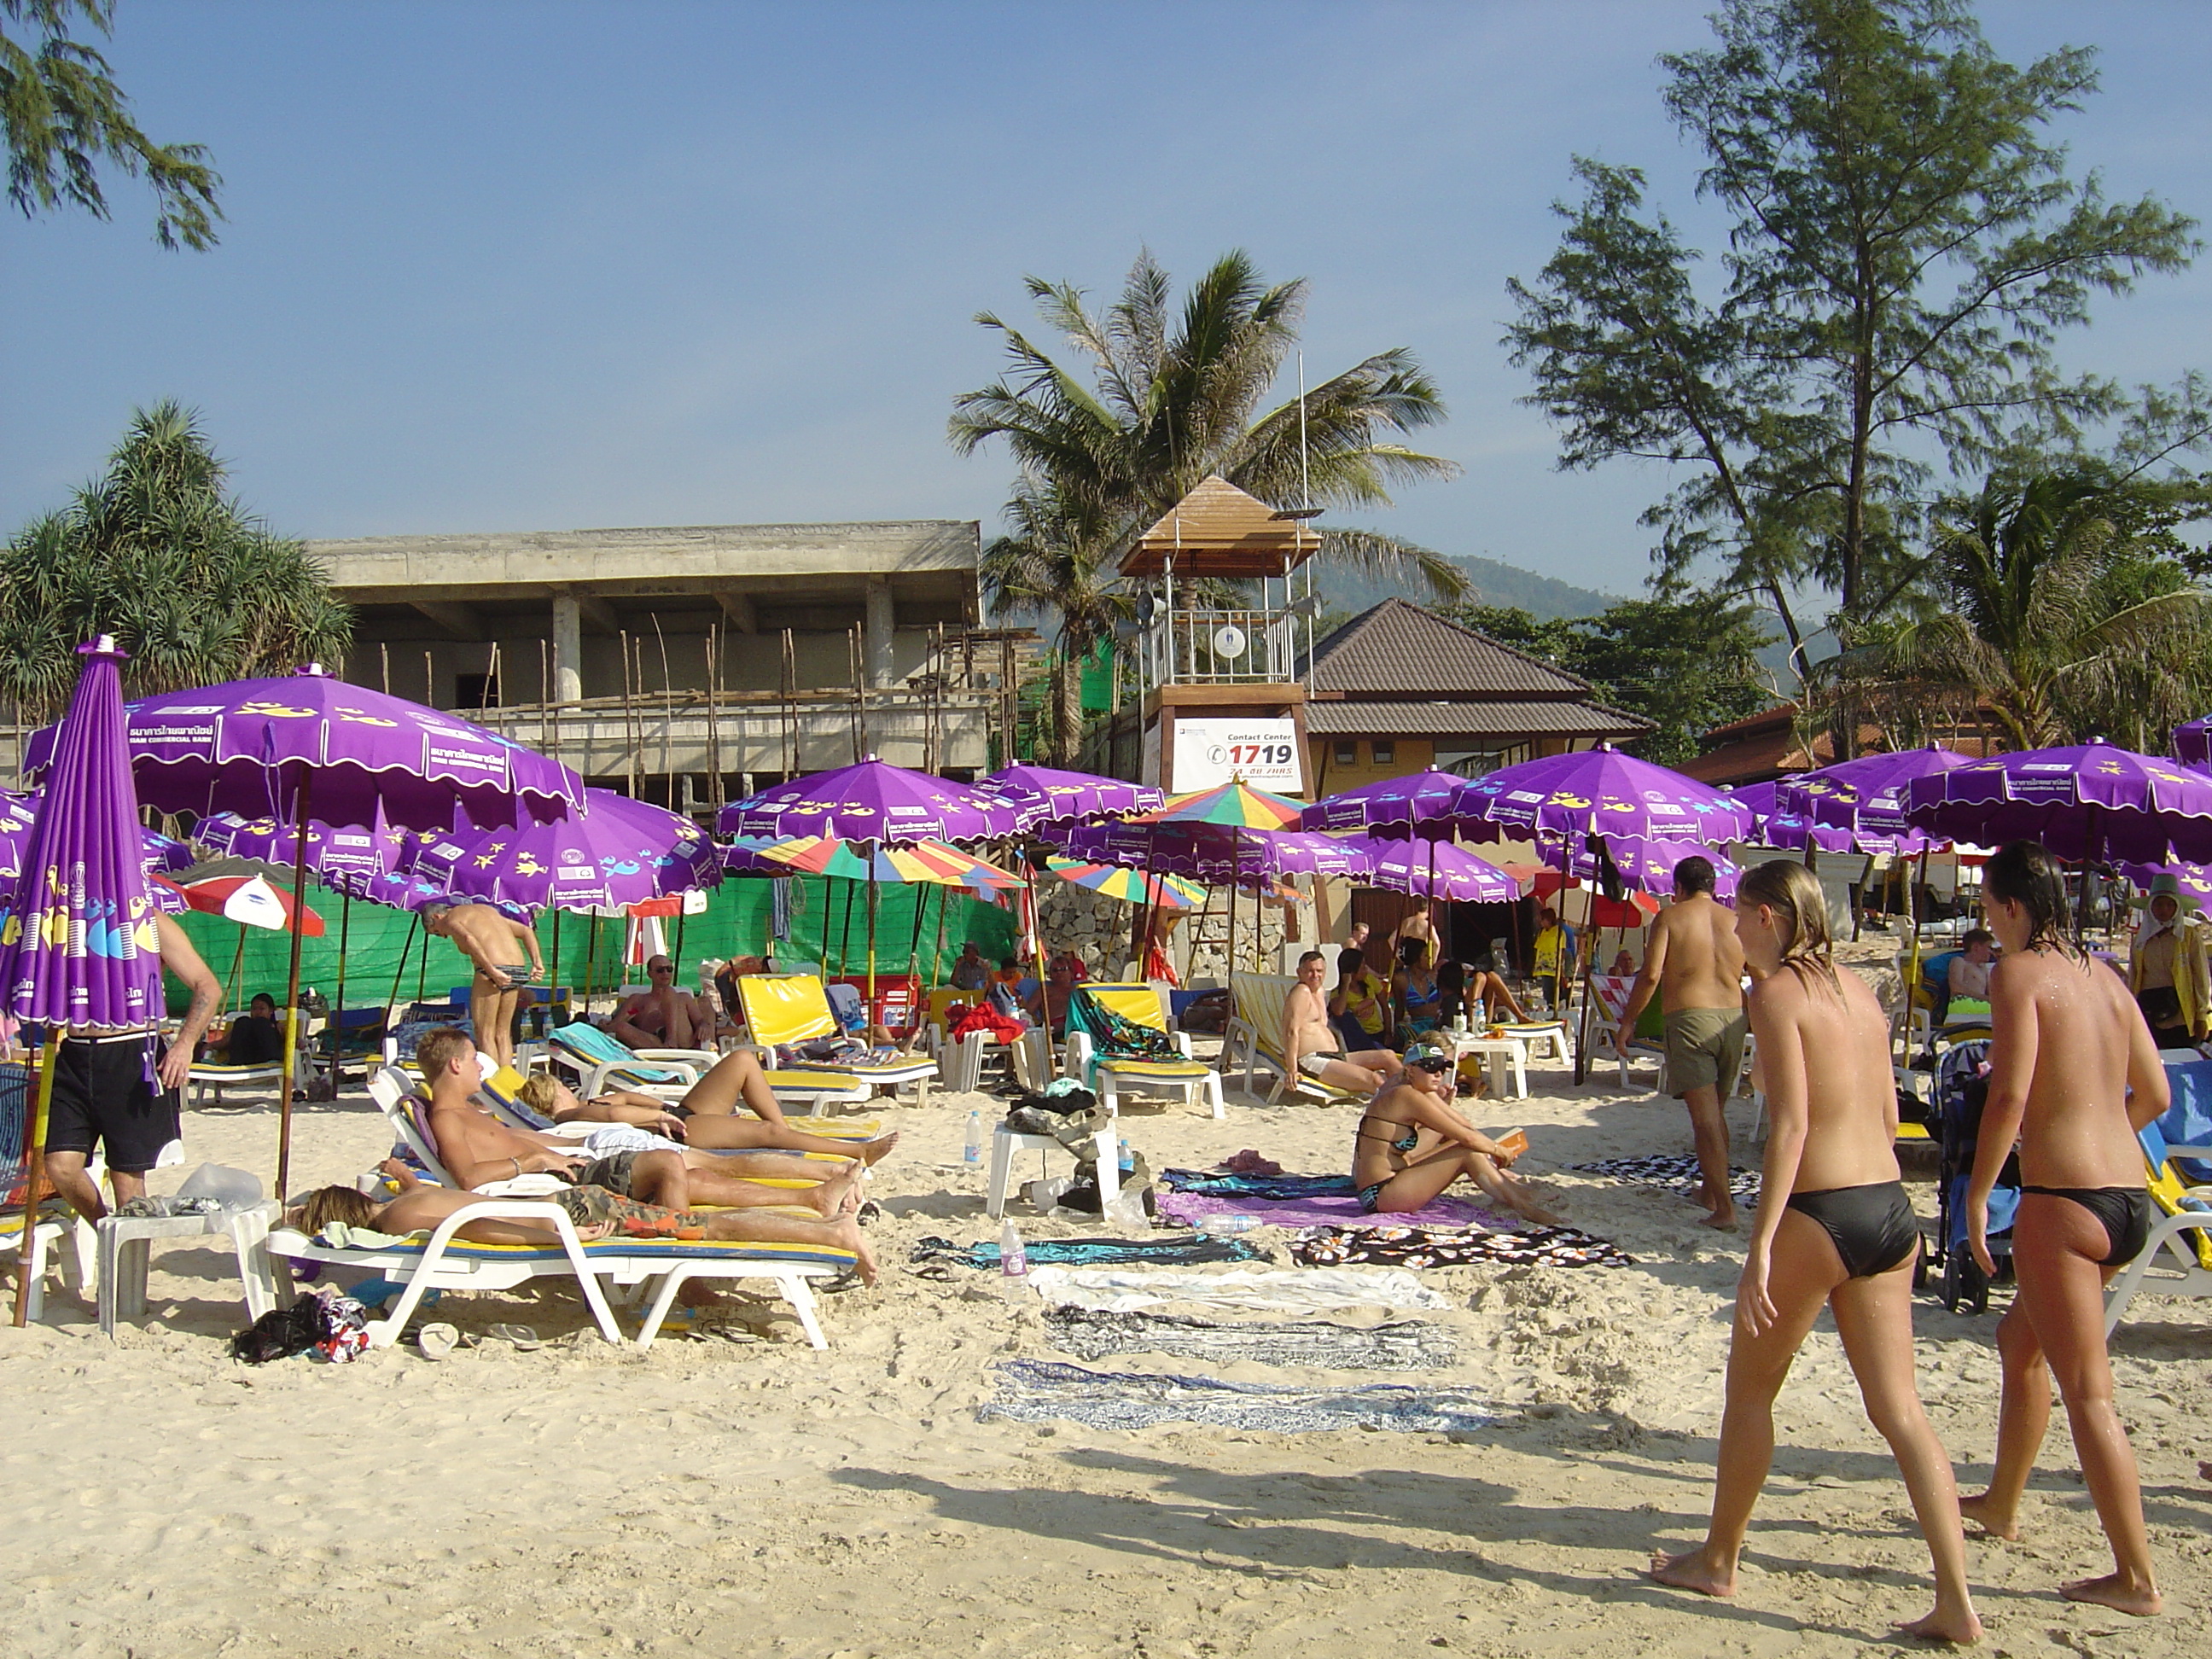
x=2182 y=1231
x=782 y=1009
x=602 y=1061
x=1255 y=1034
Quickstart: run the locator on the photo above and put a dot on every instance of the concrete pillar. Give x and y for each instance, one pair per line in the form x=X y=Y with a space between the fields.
x=568 y=649
x=877 y=652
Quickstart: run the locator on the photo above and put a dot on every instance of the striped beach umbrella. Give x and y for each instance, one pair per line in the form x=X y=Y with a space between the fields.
x=1130 y=886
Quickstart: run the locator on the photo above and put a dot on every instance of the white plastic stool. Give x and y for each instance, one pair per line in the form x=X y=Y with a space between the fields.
x=1006 y=1142
x=126 y=1242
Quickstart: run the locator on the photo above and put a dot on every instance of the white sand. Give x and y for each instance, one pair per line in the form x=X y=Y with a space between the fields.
x=755 y=1497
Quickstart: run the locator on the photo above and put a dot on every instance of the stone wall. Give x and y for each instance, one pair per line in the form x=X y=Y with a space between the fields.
x=1097 y=928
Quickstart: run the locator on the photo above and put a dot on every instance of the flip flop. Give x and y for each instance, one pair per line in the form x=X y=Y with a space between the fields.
x=437 y=1340
x=525 y=1340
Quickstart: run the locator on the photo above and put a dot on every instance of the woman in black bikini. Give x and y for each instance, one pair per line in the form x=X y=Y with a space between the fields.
x=2074 y=1073
x=1411 y=1145
x=1844 y=1239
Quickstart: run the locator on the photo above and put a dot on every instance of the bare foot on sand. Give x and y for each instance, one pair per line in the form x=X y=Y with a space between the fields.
x=1722 y=1219
x=2115 y=1592
x=872 y=1152
x=849 y=1235
x=1691 y=1571
x=1985 y=1515
x=1943 y=1625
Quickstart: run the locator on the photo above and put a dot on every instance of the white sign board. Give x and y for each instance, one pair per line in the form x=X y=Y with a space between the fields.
x=1263 y=752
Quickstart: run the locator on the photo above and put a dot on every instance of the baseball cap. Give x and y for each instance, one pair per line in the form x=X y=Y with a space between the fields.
x=1428 y=1057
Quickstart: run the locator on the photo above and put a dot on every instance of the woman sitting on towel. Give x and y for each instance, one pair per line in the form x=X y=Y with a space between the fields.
x=1411 y=1145
x=1835 y=1229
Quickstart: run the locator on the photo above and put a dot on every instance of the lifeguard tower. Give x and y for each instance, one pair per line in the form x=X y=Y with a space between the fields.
x=1223 y=691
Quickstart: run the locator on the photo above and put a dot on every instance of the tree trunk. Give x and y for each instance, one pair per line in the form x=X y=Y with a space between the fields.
x=1067 y=709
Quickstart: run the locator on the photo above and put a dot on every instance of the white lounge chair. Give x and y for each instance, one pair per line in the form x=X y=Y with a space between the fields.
x=2181 y=1232
x=1146 y=1005
x=1255 y=1039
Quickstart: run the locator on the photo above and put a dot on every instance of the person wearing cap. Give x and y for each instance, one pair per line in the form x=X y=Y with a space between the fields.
x=2167 y=970
x=1411 y=1144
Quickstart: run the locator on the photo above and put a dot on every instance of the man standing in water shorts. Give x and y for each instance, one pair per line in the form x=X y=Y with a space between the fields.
x=1696 y=963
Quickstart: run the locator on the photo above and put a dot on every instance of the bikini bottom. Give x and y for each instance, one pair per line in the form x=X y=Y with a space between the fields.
x=2123 y=1212
x=1872 y=1226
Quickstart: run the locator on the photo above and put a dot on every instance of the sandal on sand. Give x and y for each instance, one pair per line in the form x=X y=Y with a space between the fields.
x=848 y=1280
x=438 y=1340
x=525 y=1340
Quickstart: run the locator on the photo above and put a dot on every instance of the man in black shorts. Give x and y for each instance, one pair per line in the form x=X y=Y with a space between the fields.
x=104 y=1097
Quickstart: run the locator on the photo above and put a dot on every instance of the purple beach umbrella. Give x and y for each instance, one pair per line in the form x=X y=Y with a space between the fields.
x=615 y=851
x=79 y=948
x=246 y=746
x=1045 y=794
x=1645 y=867
x=1865 y=798
x=1430 y=869
x=1207 y=851
x=872 y=800
x=1598 y=792
x=1420 y=803
x=334 y=851
x=2192 y=742
x=2089 y=801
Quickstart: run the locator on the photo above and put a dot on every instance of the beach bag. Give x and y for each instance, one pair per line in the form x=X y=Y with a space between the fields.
x=323 y=1321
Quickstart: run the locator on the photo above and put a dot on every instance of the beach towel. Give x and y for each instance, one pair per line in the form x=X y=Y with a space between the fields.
x=1040 y=1391
x=1405 y=1345
x=1416 y=1247
x=1091 y=1251
x=1677 y=1171
x=1238 y=1184
x=1125 y=1290
x=1340 y=1210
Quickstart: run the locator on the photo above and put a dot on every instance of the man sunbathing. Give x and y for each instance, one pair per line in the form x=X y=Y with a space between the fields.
x=1311 y=1042
x=707 y=1117
x=477 y=1148
x=596 y=1211
x=664 y=1017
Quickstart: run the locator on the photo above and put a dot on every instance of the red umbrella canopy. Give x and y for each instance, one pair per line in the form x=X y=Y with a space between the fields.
x=254 y=900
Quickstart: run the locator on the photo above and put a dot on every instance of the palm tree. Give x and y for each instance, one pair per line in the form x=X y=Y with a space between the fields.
x=154 y=552
x=2058 y=614
x=1053 y=559
x=1172 y=397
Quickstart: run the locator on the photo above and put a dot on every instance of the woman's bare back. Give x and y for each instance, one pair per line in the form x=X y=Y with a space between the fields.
x=2073 y=1023
x=1837 y=1034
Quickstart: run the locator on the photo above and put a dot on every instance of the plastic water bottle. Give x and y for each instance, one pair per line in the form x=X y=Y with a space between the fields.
x=1127 y=1159
x=1013 y=1261
x=1223 y=1226
x=973 y=1152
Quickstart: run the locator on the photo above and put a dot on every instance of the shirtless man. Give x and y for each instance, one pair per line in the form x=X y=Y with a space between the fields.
x=664 y=1017
x=596 y=1214
x=1421 y=923
x=708 y=1116
x=477 y=1148
x=1696 y=962
x=1311 y=1044
x=488 y=940
x=2069 y=1046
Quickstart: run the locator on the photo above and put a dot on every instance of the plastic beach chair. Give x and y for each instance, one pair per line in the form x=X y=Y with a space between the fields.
x=785 y=1009
x=56 y=1220
x=2182 y=1231
x=1610 y=991
x=1140 y=1003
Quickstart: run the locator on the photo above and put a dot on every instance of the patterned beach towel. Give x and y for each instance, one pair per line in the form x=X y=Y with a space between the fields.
x=1416 y=1247
x=1332 y=1210
x=1089 y=1252
x=1405 y=1345
x=1039 y=1391
x=1678 y=1172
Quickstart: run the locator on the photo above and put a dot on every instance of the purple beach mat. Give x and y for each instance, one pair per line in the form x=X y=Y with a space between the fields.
x=1190 y=1208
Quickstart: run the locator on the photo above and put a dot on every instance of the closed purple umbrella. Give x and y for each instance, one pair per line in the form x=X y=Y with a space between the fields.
x=79 y=945
x=2087 y=801
x=1045 y=794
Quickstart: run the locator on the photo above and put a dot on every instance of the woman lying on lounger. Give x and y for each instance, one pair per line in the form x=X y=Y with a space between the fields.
x=1411 y=1145
x=708 y=1117
x=596 y=1211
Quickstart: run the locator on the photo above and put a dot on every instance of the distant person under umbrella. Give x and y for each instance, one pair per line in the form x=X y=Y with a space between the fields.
x=2167 y=971
x=255 y=1038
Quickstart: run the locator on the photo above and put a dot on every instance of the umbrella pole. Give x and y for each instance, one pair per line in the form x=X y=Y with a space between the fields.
x=1044 y=992
x=346 y=932
x=399 y=973
x=34 y=1169
x=937 y=952
x=554 y=978
x=292 y=982
x=237 y=970
x=871 y=1010
x=1236 y=837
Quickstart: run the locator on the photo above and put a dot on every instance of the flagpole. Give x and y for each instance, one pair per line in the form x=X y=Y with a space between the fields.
x=292 y=981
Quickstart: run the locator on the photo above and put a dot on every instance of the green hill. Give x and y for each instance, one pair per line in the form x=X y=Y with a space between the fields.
x=1545 y=598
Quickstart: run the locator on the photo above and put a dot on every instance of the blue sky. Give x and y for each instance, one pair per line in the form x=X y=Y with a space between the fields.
x=556 y=264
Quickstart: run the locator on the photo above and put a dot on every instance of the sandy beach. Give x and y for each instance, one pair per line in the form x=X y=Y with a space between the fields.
x=736 y=1491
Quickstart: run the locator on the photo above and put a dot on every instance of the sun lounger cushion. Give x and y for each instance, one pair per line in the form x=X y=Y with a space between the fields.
x=1156 y=1068
x=825 y=1255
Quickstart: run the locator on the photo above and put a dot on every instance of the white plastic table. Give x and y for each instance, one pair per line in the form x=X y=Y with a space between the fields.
x=1499 y=1056
x=127 y=1242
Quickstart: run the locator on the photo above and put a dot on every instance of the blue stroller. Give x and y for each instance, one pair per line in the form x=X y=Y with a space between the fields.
x=1961 y=1092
